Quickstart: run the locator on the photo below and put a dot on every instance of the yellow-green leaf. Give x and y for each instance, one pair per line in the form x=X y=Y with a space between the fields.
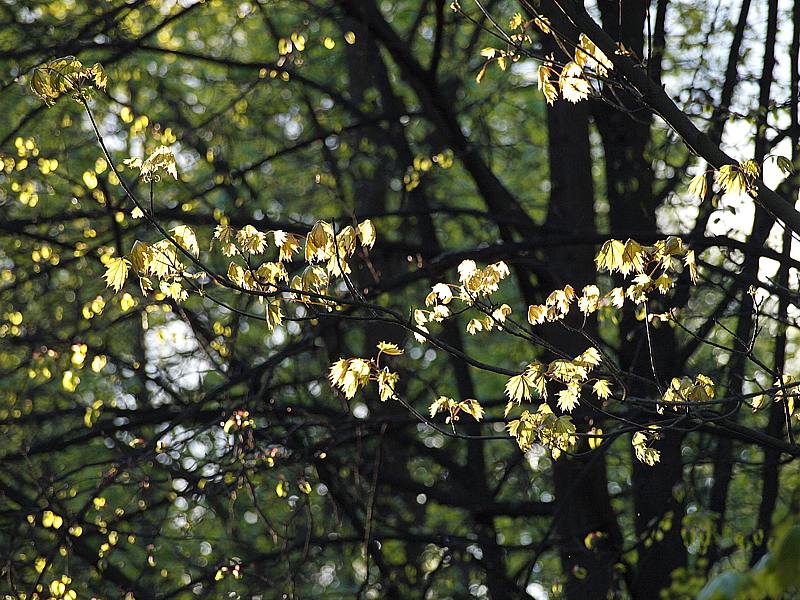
x=116 y=273
x=390 y=348
x=519 y=387
x=185 y=237
x=698 y=186
x=602 y=389
x=366 y=233
x=691 y=263
x=481 y=73
x=161 y=159
x=140 y=256
x=472 y=407
x=610 y=256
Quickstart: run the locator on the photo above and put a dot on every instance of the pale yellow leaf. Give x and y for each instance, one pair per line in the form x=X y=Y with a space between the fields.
x=390 y=348
x=602 y=389
x=185 y=237
x=116 y=273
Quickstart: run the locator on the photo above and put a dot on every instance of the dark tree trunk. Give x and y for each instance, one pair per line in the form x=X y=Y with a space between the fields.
x=632 y=204
x=581 y=483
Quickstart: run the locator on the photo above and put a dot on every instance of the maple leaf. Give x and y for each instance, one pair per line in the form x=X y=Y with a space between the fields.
x=116 y=273
x=519 y=387
x=573 y=83
x=602 y=389
x=610 y=256
x=161 y=158
x=389 y=348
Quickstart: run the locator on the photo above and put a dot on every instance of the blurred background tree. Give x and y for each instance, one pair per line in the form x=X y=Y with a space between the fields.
x=156 y=448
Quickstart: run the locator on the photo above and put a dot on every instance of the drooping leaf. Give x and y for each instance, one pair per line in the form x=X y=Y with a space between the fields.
x=116 y=273
x=185 y=237
x=473 y=408
x=161 y=159
x=698 y=186
x=389 y=348
x=610 y=256
x=519 y=387
x=574 y=85
x=602 y=389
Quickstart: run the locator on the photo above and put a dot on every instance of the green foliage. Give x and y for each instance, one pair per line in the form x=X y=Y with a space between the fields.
x=775 y=575
x=290 y=307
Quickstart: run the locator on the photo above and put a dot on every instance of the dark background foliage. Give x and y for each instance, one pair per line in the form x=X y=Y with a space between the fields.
x=329 y=498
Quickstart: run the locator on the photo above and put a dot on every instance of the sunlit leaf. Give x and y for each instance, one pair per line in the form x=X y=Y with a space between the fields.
x=162 y=158
x=116 y=273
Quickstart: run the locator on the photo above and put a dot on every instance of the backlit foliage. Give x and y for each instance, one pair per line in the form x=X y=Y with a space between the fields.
x=653 y=270
x=173 y=267
x=348 y=375
x=215 y=369
x=67 y=76
x=571 y=79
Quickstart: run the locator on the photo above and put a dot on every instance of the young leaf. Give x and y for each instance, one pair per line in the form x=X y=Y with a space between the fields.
x=286 y=243
x=319 y=242
x=387 y=381
x=442 y=293
x=100 y=77
x=474 y=326
x=610 y=256
x=164 y=259
x=390 y=348
x=590 y=357
x=573 y=83
x=66 y=75
x=173 y=290
x=116 y=273
x=185 y=237
x=568 y=397
x=691 y=262
x=519 y=387
x=750 y=168
x=598 y=59
x=617 y=297
x=542 y=23
x=472 y=407
x=602 y=389
x=140 y=256
x=251 y=239
x=632 y=258
x=161 y=159
x=784 y=164
x=442 y=403
x=732 y=179
x=546 y=86
x=366 y=233
x=698 y=186
x=537 y=314
x=481 y=73
x=644 y=453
